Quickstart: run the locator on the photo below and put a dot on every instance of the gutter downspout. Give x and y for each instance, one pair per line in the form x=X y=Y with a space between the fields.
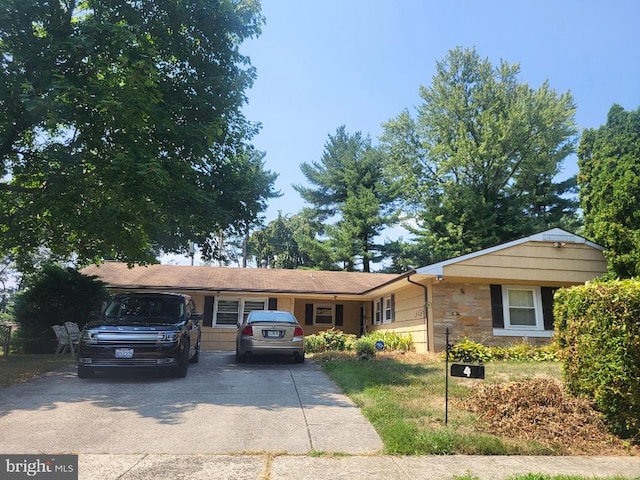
x=426 y=314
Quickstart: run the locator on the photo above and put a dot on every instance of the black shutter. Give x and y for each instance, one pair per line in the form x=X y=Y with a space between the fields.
x=308 y=314
x=339 y=315
x=373 y=313
x=273 y=303
x=207 y=314
x=393 y=307
x=547 y=306
x=497 y=314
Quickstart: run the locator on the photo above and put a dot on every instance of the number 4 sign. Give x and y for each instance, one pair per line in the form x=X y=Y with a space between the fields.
x=467 y=371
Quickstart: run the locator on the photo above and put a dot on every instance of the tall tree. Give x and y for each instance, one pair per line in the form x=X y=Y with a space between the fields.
x=609 y=181
x=121 y=129
x=290 y=242
x=478 y=162
x=348 y=183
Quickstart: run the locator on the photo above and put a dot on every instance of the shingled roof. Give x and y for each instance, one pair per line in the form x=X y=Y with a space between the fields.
x=228 y=279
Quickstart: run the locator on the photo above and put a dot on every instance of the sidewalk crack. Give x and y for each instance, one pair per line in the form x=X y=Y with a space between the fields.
x=304 y=414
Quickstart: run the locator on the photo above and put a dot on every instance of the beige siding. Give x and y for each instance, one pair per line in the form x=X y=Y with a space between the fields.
x=538 y=262
x=218 y=338
x=411 y=313
x=351 y=316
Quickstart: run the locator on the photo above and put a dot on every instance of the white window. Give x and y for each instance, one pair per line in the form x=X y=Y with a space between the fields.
x=388 y=309
x=522 y=309
x=383 y=310
x=323 y=314
x=377 y=313
x=227 y=311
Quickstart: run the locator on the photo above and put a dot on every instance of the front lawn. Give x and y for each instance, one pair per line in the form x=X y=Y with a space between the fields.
x=17 y=368
x=403 y=396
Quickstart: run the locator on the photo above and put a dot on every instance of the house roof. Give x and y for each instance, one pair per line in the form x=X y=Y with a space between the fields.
x=555 y=235
x=307 y=282
x=229 y=279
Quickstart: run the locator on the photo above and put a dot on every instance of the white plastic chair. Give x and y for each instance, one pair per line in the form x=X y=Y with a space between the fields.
x=63 y=339
x=73 y=332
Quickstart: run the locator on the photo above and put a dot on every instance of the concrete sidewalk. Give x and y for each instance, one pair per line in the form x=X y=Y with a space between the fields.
x=288 y=467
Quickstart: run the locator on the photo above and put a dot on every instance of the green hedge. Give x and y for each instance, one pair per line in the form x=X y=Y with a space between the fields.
x=598 y=331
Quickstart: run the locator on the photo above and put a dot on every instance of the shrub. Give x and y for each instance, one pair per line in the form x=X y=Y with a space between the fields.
x=337 y=341
x=55 y=295
x=365 y=346
x=392 y=340
x=468 y=351
x=599 y=340
x=315 y=344
x=471 y=352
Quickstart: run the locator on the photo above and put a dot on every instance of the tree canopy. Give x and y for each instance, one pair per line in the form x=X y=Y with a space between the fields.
x=478 y=161
x=609 y=181
x=121 y=129
x=348 y=184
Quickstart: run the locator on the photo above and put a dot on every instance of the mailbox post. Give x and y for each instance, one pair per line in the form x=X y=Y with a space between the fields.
x=457 y=370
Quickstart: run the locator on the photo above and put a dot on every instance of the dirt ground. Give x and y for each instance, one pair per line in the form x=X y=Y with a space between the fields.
x=540 y=410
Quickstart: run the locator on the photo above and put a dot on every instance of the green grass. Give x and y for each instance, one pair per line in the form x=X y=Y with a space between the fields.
x=16 y=368
x=404 y=398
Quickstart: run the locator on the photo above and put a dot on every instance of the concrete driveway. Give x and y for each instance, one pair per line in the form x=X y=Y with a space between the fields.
x=219 y=408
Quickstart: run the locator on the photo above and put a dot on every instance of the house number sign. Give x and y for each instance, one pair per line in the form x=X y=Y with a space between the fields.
x=457 y=370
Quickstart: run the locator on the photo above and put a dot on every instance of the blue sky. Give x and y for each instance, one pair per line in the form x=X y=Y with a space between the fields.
x=326 y=63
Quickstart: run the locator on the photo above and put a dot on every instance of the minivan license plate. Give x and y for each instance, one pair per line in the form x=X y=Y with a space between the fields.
x=124 y=352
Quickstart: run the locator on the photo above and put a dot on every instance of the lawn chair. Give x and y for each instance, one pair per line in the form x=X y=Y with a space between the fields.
x=74 y=335
x=63 y=339
x=5 y=338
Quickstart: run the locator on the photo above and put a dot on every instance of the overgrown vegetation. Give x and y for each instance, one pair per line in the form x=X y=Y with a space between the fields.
x=55 y=295
x=403 y=396
x=335 y=340
x=599 y=337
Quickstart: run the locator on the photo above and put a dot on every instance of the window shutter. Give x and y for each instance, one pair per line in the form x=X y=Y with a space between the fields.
x=393 y=307
x=339 y=315
x=273 y=303
x=207 y=315
x=308 y=314
x=497 y=314
x=373 y=313
x=547 y=306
